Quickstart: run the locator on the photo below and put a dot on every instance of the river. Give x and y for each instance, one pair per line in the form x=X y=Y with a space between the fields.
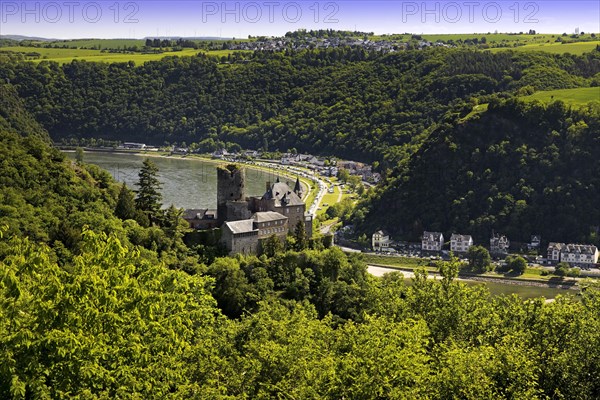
x=187 y=182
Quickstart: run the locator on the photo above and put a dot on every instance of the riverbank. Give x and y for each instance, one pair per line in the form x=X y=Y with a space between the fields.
x=563 y=284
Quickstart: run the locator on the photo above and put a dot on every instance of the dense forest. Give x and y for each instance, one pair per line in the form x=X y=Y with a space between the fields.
x=93 y=305
x=519 y=168
x=344 y=102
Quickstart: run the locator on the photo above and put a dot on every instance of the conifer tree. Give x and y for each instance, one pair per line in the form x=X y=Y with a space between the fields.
x=125 y=208
x=300 y=236
x=149 y=198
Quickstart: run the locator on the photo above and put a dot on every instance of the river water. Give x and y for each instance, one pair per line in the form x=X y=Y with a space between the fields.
x=187 y=182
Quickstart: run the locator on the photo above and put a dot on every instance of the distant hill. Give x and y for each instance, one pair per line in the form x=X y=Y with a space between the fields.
x=21 y=37
x=209 y=38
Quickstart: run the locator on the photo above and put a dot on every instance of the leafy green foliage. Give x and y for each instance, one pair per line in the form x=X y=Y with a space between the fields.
x=479 y=259
x=516 y=264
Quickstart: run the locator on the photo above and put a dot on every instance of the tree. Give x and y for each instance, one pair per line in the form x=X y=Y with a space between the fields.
x=516 y=264
x=272 y=246
x=343 y=175
x=125 y=208
x=174 y=225
x=300 y=236
x=148 y=196
x=79 y=155
x=562 y=269
x=479 y=259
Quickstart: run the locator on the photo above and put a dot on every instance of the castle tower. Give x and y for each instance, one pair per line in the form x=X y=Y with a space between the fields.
x=231 y=182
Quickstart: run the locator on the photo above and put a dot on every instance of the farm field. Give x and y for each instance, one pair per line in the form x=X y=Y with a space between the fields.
x=577 y=48
x=101 y=44
x=63 y=56
x=575 y=97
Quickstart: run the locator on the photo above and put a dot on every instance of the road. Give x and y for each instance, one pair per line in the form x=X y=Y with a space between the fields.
x=380 y=271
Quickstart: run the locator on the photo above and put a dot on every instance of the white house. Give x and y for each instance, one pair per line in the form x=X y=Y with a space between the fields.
x=460 y=243
x=499 y=245
x=380 y=240
x=579 y=254
x=432 y=241
x=554 y=250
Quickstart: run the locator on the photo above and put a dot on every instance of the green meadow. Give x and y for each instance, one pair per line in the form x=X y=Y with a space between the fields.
x=63 y=56
x=575 y=97
x=101 y=44
x=576 y=48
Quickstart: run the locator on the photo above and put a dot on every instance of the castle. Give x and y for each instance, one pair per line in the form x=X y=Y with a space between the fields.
x=246 y=221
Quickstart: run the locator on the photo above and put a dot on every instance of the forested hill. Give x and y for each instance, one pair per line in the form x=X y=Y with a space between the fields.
x=344 y=102
x=519 y=169
x=107 y=312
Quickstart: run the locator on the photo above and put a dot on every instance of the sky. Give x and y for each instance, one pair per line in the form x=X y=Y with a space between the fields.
x=72 y=19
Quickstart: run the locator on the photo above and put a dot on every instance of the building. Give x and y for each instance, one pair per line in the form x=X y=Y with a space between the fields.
x=499 y=245
x=134 y=146
x=279 y=197
x=380 y=241
x=554 y=250
x=245 y=221
x=245 y=236
x=432 y=241
x=535 y=242
x=579 y=254
x=460 y=243
x=201 y=219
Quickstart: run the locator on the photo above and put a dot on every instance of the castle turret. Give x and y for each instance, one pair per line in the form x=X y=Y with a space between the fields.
x=298 y=188
x=231 y=182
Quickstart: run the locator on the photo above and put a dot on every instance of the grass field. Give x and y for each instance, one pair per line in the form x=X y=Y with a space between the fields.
x=63 y=56
x=490 y=38
x=101 y=43
x=575 y=97
x=329 y=199
x=577 y=48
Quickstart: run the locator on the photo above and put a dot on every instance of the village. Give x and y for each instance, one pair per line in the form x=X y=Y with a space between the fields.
x=433 y=245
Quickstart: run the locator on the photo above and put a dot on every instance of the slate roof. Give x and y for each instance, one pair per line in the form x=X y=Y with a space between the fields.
x=243 y=226
x=580 y=248
x=432 y=236
x=267 y=216
x=283 y=195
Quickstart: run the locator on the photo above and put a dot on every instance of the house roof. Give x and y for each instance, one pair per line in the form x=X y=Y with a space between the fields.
x=498 y=239
x=243 y=226
x=267 y=216
x=432 y=236
x=557 y=246
x=382 y=232
x=283 y=195
x=580 y=248
x=461 y=238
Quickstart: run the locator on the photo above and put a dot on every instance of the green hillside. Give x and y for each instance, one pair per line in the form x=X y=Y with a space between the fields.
x=519 y=169
x=576 y=97
x=343 y=102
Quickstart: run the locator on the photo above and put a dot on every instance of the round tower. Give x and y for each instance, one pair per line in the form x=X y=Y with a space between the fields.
x=231 y=186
